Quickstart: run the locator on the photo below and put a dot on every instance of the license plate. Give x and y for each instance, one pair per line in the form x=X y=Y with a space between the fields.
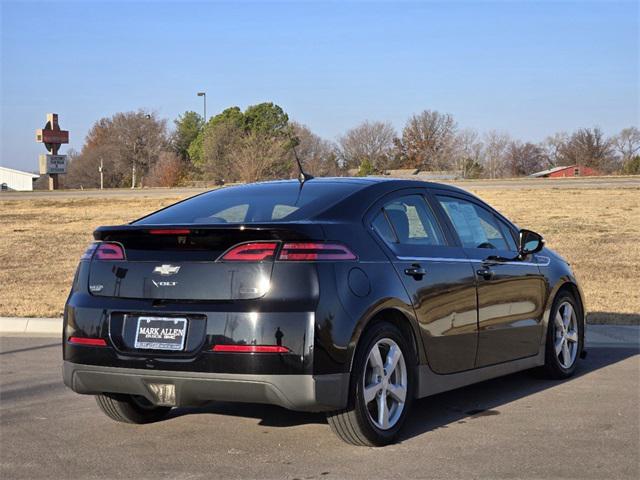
x=161 y=333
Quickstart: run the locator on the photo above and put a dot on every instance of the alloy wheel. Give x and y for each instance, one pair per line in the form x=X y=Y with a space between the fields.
x=385 y=383
x=566 y=335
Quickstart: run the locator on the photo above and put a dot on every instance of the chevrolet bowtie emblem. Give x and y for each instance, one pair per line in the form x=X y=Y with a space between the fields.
x=166 y=269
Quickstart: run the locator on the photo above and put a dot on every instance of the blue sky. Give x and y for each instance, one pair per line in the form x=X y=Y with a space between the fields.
x=529 y=68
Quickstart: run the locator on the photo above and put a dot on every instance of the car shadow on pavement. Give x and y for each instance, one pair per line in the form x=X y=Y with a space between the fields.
x=30 y=349
x=269 y=415
x=484 y=399
x=439 y=411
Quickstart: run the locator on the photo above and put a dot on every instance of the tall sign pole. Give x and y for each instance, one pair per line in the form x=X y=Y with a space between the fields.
x=52 y=164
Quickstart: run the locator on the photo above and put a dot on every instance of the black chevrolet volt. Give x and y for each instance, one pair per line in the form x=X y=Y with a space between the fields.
x=352 y=296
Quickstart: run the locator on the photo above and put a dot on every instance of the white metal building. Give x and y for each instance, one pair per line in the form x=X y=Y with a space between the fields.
x=11 y=179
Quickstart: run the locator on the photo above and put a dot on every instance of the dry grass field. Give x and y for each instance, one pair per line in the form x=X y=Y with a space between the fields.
x=597 y=230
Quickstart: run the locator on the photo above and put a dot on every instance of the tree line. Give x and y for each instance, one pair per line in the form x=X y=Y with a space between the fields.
x=136 y=149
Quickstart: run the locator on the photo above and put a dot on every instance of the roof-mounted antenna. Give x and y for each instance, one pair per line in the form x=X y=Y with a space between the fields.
x=302 y=176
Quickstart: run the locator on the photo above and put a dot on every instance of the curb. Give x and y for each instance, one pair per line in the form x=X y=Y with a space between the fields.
x=613 y=336
x=17 y=326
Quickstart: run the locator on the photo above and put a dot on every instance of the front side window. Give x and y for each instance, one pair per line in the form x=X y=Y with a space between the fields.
x=476 y=227
x=408 y=220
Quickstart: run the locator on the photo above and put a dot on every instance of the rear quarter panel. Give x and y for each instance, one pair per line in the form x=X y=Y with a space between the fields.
x=351 y=295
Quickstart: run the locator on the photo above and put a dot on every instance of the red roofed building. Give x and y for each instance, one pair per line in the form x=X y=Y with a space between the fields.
x=567 y=171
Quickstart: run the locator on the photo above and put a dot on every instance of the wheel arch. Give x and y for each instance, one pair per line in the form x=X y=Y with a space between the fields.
x=563 y=285
x=396 y=315
x=574 y=290
x=571 y=287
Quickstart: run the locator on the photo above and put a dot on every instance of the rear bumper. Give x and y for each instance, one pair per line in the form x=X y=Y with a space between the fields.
x=295 y=392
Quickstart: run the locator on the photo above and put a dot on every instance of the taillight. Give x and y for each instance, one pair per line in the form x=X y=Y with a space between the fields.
x=109 y=251
x=251 y=252
x=310 y=251
x=250 y=349
x=93 y=342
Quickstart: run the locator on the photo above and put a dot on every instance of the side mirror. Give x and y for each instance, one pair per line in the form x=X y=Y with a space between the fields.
x=529 y=242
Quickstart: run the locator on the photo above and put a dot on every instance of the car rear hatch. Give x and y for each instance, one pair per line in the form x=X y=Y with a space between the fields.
x=190 y=263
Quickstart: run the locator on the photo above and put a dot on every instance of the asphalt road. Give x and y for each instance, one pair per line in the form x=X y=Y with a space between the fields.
x=526 y=183
x=516 y=426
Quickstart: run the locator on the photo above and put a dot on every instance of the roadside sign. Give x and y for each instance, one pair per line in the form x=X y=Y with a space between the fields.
x=52 y=136
x=53 y=164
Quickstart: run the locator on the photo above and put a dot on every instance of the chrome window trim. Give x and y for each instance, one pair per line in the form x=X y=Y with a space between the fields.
x=544 y=261
x=436 y=259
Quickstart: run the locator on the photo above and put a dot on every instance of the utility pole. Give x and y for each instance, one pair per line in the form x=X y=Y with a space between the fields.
x=133 y=164
x=101 y=170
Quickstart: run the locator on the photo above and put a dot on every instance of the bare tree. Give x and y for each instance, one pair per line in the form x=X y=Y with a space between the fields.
x=370 y=142
x=83 y=168
x=525 y=158
x=468 y=151
x=317 y=155
x=554 y=148
x=166 y=172
x=128 y=145
x=627 y=144
x=428 y=140
x=590 y=147
x=495 y=152
x=258 y=156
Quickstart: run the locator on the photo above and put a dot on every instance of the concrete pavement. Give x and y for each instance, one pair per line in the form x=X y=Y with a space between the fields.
x=516 y=426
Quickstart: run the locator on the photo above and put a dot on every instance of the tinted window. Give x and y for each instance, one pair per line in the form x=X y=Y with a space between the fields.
x=476 y=227
x=507 y=235
x=407 y=220
x=381 y=225
x=266 y=202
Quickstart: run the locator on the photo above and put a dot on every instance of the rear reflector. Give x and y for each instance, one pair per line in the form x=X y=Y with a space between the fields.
x=170 y=231
x=251 y=348
x=315 y=251
x=251 y=252
x=109 y=251
x=94 y=342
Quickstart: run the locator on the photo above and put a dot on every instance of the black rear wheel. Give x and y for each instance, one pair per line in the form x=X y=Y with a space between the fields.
x=130 y=408
x=381 y=389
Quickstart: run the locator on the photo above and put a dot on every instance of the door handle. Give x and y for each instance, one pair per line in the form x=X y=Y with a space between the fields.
x=485 y=273
x=415 y=271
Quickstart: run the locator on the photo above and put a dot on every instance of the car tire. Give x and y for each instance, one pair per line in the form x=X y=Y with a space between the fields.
x=361 y=423
x=130 y=409
x=563 y=331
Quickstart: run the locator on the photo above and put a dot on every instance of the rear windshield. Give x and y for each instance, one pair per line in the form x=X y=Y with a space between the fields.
x=257 y=203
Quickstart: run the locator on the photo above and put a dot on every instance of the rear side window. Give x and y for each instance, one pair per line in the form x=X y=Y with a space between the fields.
x=381 y=225
x=408 y=220
x=476 y=227
x=256 y=203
